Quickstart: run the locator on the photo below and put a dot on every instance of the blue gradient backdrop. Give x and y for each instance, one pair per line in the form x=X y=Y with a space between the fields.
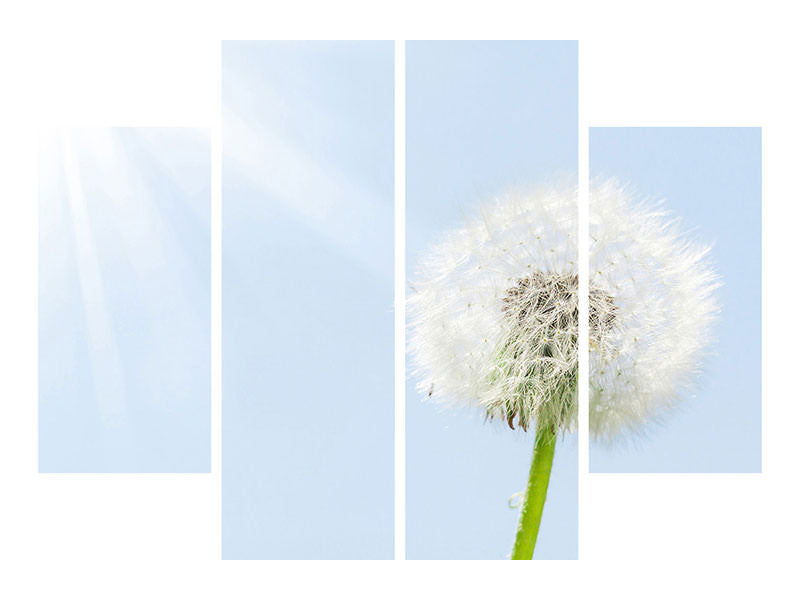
x=307 y=297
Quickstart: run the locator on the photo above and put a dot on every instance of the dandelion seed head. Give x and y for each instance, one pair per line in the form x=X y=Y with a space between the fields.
x=494 y=311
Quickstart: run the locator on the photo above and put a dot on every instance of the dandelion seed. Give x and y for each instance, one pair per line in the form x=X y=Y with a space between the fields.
x=651 y=307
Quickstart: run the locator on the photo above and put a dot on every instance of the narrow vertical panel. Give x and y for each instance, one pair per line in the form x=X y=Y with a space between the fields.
x=696 y=369
x=483 y=119
x=307 y=341
x=124 y=301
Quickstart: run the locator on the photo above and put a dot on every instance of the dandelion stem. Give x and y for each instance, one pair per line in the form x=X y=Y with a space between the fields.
x=535 y=493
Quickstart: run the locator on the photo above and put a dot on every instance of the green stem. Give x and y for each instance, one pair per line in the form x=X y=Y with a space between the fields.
x=535 y=494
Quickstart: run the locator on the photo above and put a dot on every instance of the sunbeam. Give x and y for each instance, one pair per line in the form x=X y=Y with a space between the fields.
x=109 y=389
x=315 y=192
x=124 y=301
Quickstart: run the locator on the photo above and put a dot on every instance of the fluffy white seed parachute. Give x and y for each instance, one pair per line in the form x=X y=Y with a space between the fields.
x=493 y=312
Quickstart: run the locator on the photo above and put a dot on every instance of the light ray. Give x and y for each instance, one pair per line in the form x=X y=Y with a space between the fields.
x=107 y=376
x=319 y=195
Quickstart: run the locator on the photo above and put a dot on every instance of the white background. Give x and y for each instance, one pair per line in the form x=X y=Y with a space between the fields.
x=157 y=64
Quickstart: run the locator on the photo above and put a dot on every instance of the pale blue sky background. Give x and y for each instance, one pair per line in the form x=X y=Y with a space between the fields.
x=481 y=117
x=711 y=178
x=307 y=300
x=124 y=301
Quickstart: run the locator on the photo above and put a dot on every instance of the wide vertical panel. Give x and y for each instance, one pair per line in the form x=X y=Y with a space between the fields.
x=676 y=242
x=307 y=341
x=124 y=301
x=490 y=125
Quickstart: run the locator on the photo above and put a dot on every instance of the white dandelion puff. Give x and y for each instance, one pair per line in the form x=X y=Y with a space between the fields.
x=494 y=319
x=494 y=311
